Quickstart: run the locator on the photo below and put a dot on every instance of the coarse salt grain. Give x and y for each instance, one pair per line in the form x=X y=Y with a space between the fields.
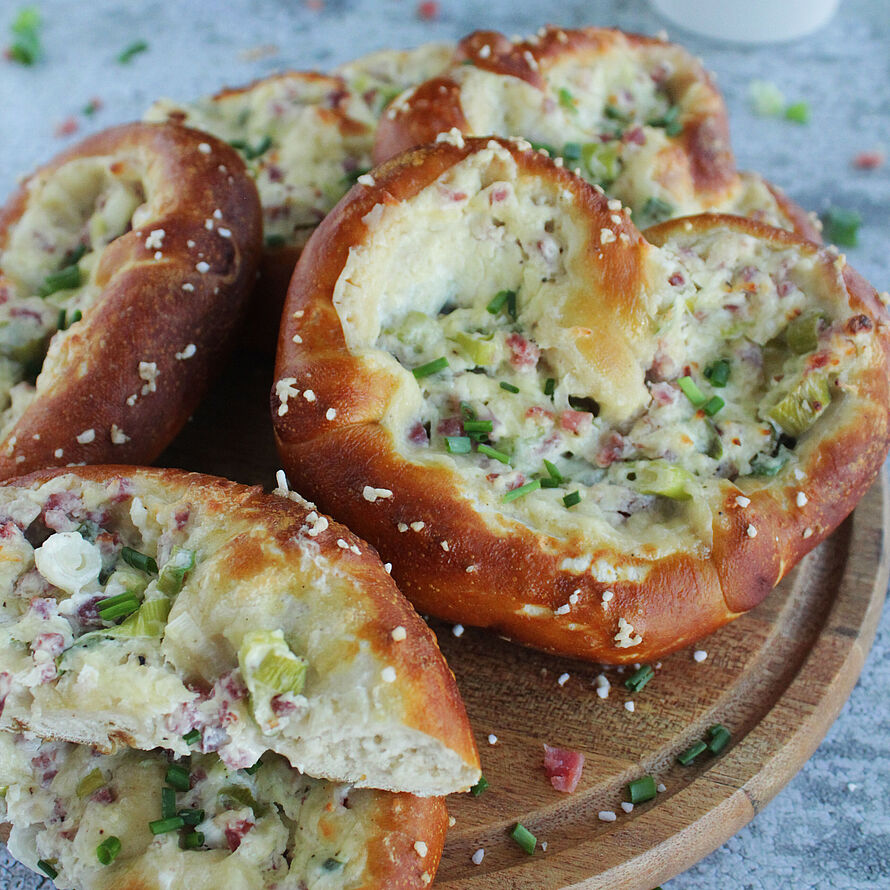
x=188 y=286
x=629 y=706
x=202 y=266
x=606 y=816
x=371 y=494
x=421 y=849
x=458 y=630
x=388 y=674
x=742 y=501
x=309 y=395
x=801 y=499
x=417 y=526
x=627 y=806
x=699 y=655
x=607 y=236
x=799 y=474
x=661 y=788
x=626 y=638
x=204 y=148
x=188 y=352
x=296 y=338
x=444 y=545
x=58 y=452
x=387 y=567
x=86 y=436
x=330 y=414
x=492 y=739
x=607 y=596
x=808 y=533
x=564 y=610
x=399 y=633
x=155 y=239
x=752 y=532
x=478 y=856
x=224 y=233
x=284 y=390
x=563 y=679
x=573 y=599
x=602 y=686
x=118 y=436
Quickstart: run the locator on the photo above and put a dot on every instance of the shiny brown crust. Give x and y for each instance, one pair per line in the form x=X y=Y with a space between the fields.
x=700 y=154
x=430 y=703
x=143 y=313
x=685 y=596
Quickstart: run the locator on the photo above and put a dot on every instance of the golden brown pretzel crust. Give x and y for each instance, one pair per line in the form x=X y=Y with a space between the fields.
x=702 y=149
x=143 y=313
x=684 y=596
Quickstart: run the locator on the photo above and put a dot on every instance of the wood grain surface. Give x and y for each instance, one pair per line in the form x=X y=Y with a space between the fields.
x=776 y=678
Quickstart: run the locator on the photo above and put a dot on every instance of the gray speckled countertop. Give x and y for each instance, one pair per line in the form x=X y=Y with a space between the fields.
x=830 y=828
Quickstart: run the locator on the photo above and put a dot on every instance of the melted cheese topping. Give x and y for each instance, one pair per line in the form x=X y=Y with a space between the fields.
x=509 y=402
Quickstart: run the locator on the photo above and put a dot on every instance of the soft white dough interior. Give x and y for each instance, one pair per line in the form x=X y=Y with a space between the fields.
x=768 y=314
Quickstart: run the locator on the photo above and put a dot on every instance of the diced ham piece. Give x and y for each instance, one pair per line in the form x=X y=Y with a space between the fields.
x=497 y=195
x=47 y=646
x=417 y=435
x=449 y=426
x=235 y=833
x=611 y=448
x=537 y=413
x=523 y=353
x=577 y=422
x=663 y=393
x=563 y=768
x=634 y=136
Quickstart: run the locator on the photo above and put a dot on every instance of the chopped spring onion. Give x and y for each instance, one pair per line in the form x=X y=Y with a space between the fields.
x=90 y=783
x=496 y=303
x=572 y=498
x=433 y=367
x=480 y=787
x=768 y=464
x=481 y=349
x=524 y=838
x=251 y=152
x=47 y=868
x=601 y=160
x=113 y=607
x=841 y=226
x=616 y=114
x=718 y=738
x=250 y=770
x=274 y=241
x=178 y=777
x=191 y=817
x=478 y=426
x=509 y=386
x=162 y=826
x=642 y=789
x=549 y=386
x=64 y=322
x=65 y=279
x=636 y=681
x=713 y=405
x=149 y=621
x=718 y=373
x=798 y=112
x=193 y=840
x=283 y=672
x=516 y=493
x=138 y=46
x=687 y=756
x=488 y=451
x=571 y=151
x=654 y=211
x=803 y=406
x=553 y=472
x=331 y=864
x=767 y=100
x=692 y=392
x=25 y=47
x=567 y=100
x=670 y=120
x=661 y=478
x=172 y=575
x=107 y=851
x=139 y=561
x=802 y=334
x=168 y=802
x=458 y=444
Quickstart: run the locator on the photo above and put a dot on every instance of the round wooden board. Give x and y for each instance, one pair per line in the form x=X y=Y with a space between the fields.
x=776 y=678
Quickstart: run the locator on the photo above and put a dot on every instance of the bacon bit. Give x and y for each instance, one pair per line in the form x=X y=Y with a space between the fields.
x=575 y=421
x=676 y=279
x=104 y=795
x=235 y=833
x=417 y=434
x=518 y=482
x=819 y=360
x=563 y=768
x=281 y=705
x=181 y=517
x=536 y=412
x=663 y=393
x=66 y=127
x=498 y=195
x=784 y=288
x=869 y=160
x=634 y=136
x=449 y=426
x=51 y=644
x=525 y=354
x=428 y=11
x=857 y=324
x=611 y=449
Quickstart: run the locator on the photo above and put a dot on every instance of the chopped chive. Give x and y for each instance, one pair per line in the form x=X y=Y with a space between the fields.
x=192 y=736
x=516 y=493
x=139 y=561
x=136 y=47
x=798 y=112
x=65 y=322
x=642 y=789
x=547 y=482
x=250 y=770
x=566 y=99
x=480 y=787
x=168 y=802
x=251 y=152
x=841 y=226
x=90 y=108
x=458 y=444
x=509 y=386
x=331 y=864
x=433 y=367
x=687 y=756
x=553 y=472
x=47 y=868
x=478 y=426
x=718 y=373
x=549 y=386
x=524 y=838
x=162 y=826
x=655 y=210
x=112 y=611
x=636 y=681
x=172 y=576
x=713 y=405
x=178 y=777
x=107 y=851
x=571 y=151
x=274 y=241
x=616 y=114
x=544 y=146
x=25 y=47
x=488 y=451
x=572 y=498
x=719 y=738
x=191 y=817
x=511 y=303
x=74 y=255
x=670 y=120
x=692 y=392
x=193 y=840
x=496 y=303
x=65 y=279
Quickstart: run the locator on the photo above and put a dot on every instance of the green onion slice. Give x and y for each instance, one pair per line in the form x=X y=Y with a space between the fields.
x=168 y=802
x=107 y=851
x=718 y=373
x=496 y=303
x=689 y=755
x=250 y=770
x=193 y=840
x=799 y=112
x=571 y=499
x=488 y=451
x=549 y=386
x=433 y=367
x=509 y=386
x=661 y=478
x=138 y=46
x=458 y=444
x=841 y=226
x=803 y=406
x=192 y=736
x=191 y=817
x=571 y=151
x=478 y=426
x=636 y=681
x=524 y=838
x=162 y=826
x=480 y=787
x=65 y=279
x=47 y=868
x=516 y=493
x=178 y=777
x=691 y=391
x=567 y=100
x=139 y=560
x=713 y=405
x=553 y=472
x=149 y=621
x=172 y=575
x=642 y=789
x=802 y=334
x=114 y=607
x=481 y=349
x=718 y=738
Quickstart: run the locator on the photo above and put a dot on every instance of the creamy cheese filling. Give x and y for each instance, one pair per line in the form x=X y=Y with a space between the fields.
x=745 y=348
x=47 y=266
x=282 y=827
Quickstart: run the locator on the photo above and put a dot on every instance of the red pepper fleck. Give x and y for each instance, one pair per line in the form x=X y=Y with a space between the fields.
x=66 y=128
x=428 y=10
x=869 y=160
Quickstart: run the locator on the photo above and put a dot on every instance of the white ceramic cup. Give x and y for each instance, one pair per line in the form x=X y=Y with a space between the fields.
x=749 y=21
